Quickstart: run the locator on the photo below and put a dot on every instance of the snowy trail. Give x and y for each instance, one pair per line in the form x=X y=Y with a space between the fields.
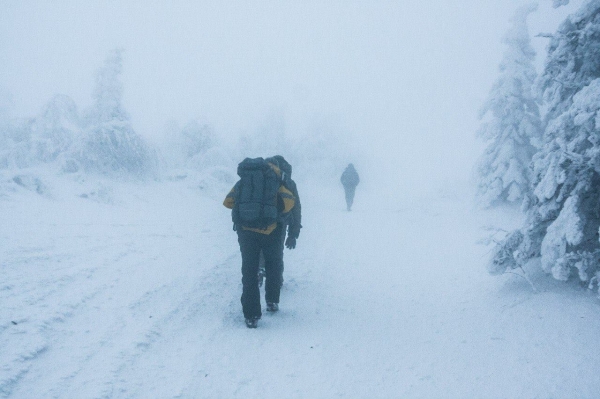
x=142 y=300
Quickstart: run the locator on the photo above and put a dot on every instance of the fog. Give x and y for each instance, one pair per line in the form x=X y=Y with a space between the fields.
x=401 y=81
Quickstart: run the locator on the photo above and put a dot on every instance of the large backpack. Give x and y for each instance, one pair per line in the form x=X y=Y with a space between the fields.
x=256 y=194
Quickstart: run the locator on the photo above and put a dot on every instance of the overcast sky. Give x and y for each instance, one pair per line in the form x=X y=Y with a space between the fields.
x=407 y=77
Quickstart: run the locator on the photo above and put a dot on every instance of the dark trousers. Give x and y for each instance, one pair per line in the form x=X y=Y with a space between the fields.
x=281 y=245
x=261 y=262
x=251 y=244
x=349 y=195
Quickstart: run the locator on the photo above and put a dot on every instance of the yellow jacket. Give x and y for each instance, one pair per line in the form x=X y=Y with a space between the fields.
x=286 y=196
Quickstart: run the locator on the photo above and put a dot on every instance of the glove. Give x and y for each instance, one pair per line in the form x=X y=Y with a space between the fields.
x=290 y=242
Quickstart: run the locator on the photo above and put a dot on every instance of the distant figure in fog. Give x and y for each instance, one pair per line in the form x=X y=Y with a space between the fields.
x=349 y=180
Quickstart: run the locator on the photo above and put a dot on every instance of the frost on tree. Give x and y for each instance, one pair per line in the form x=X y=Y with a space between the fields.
x=513 y=121
x=195 y=146
x=563 y=221
x=58 y=126
x=201 y=148
x=197 y=139
x=16 y=144
x=112 y=147
x=44 y=139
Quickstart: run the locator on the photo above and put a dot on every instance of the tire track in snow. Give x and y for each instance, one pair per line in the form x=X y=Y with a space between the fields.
x=107 y=351
x=207 y=301
x=23 y=337
x=52 y=286
x=83 y=322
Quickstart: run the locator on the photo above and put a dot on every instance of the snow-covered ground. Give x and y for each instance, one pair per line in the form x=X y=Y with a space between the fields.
x=128 y=290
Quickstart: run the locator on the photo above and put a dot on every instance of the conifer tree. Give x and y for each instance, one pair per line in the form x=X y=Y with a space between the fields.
x=563 y=220
x=113 y=147
x=513 y=125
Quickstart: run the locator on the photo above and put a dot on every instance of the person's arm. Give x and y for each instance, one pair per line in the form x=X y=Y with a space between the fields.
x=229 y=201
x=289 y=201
x=296 y=221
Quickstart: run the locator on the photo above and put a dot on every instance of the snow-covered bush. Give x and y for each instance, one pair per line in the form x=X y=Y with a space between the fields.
x=103 y=141
x=42 y=139
x=196 y=139
x=213 y=157
x=503 y=257
x=215 y=181
x=57 y=129
x=31 y=183
x=114 y=149
x=513 y=126
x=108 y=90
x=268 y=139
x=16 y=144
x=110 y=145
x=192 y=149
x=563 y=219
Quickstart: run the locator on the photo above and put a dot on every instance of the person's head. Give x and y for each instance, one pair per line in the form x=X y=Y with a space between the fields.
x=350 y=166
x=283 y=164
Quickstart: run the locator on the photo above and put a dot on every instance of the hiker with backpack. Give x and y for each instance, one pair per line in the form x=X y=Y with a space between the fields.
x=292 y=222
x=349 y=180
x=259 y=202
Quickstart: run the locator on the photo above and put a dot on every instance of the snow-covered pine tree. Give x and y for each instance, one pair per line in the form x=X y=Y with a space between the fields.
x=564 y=216
x=112 y=146
x=195 y=146
x=48 y=137
x=16 y=144
x=196 y=139
x=57 y=129
x=513 y=125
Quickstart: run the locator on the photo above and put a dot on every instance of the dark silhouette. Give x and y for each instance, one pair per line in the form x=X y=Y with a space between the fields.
x=292 y=220
x=249 y=212
x=349 y=180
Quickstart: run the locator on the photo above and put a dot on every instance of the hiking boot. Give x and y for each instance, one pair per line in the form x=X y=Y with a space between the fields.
x=272 y=306
x=252 y=322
